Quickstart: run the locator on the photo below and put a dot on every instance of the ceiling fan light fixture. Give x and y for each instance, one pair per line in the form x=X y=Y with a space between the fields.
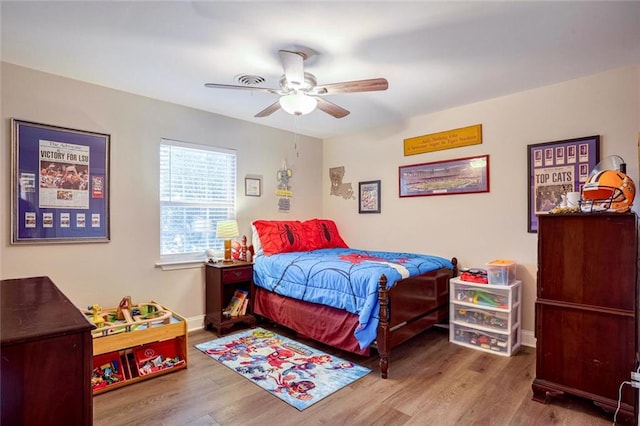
x=298 y=103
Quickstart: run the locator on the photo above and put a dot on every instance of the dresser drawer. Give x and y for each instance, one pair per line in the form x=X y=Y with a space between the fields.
x=233 y=275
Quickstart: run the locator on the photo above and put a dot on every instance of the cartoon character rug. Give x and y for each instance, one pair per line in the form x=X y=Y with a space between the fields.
x=298 y=374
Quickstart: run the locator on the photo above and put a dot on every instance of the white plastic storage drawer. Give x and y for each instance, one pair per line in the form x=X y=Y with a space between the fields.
x=493 y=342
x=489 y=297
x=483 y=317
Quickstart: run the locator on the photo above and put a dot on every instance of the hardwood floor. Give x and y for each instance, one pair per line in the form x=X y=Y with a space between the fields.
x=431 y=382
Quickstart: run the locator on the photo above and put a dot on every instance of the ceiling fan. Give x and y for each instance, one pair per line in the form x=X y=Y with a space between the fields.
x=299 y=91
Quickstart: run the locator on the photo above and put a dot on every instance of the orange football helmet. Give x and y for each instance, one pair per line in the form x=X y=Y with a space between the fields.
x=608 y=191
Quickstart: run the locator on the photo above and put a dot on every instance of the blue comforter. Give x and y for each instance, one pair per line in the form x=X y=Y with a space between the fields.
x=342 y=278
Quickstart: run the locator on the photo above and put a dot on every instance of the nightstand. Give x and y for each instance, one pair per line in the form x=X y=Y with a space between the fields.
x=222 y=280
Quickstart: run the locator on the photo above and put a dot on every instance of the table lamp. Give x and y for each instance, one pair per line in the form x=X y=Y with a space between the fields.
x=227 y=229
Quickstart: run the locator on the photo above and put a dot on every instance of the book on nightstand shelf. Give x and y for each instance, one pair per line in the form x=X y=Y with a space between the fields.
x=234 y=308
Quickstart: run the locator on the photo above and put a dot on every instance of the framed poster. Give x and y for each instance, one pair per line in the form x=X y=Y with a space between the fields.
x=369 y=197
x=252 y=186
x=60 y=184
x=556 y=168
x=459 y=176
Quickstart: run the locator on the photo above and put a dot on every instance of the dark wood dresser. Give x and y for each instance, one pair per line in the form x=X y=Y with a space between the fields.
x=587 y=309
x=46 y=352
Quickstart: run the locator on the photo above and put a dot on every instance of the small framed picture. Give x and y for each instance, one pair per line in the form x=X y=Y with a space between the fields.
x=369 y=196
x=252 y=186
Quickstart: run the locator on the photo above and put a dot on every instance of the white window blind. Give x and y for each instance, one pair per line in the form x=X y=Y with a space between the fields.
x=197 y=189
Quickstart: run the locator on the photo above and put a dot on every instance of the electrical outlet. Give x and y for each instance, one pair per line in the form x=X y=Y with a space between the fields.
x=635 y=376
x=635 y=384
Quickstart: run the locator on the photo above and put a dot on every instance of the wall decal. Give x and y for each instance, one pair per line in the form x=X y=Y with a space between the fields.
x=284 y=189
x=338 y=188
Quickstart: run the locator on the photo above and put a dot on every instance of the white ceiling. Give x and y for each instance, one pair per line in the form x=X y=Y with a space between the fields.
x=435 y=55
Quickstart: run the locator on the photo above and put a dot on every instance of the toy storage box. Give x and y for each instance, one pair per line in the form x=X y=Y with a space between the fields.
x=501 y=272
x=125 y=345
x=108 y=370
x=159 y=356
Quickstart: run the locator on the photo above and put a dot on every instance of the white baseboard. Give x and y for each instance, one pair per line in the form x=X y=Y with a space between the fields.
x=195 y=323
x=528 y=338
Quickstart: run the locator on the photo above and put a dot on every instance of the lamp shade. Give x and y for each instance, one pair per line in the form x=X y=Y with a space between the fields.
x=227 y=229
x=298 y=103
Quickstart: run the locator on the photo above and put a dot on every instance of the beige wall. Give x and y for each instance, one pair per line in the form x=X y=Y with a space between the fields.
x=477 y=228
x=104 y=273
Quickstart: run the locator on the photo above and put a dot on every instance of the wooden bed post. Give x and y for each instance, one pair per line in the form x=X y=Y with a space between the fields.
x=383 y=327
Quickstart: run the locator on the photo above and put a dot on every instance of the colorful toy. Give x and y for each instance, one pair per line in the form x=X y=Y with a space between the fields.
x=486 y=319
x=123 y=309
x=95 y=317
x=236 y=250
x=156 y=362
x=239 y=249
x=474 y=275
x=126 y=317
x=106 y=374
x=481 y=297
x=486 y=341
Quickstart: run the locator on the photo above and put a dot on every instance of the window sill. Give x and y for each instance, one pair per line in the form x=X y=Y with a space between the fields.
x=173 y=265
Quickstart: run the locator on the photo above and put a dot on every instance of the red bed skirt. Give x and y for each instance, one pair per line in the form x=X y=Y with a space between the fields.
x=334 y=327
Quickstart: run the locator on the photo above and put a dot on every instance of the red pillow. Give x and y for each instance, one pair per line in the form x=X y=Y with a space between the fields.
x=280 y=236
x=323 y=233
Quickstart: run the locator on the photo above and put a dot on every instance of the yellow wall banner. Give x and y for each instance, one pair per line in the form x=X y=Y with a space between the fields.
x=455 y=138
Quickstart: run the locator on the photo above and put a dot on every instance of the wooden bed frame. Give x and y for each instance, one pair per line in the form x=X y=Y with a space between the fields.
x=407 y=309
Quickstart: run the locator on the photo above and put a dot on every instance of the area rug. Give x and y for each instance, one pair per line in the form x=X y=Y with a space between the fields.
x=298 y=374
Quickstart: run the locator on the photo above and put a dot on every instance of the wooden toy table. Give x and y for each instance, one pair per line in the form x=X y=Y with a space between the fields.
x=135 y=342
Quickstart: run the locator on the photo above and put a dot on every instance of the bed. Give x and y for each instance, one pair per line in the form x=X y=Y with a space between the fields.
x=307 y=279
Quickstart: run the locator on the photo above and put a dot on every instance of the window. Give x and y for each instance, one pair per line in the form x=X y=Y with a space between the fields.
x=197 y=189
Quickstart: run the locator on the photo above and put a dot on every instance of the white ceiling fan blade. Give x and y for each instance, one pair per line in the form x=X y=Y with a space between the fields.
x=331 y=108
x=269 y=110
x=253 y=88
x=370 y=85
x=292 y=63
